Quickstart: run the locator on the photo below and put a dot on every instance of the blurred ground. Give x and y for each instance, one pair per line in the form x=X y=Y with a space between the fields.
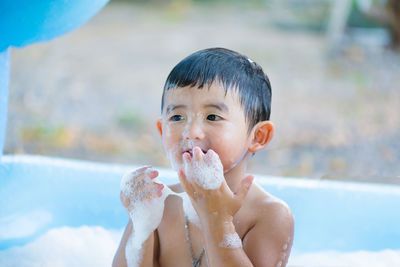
x=95 y=93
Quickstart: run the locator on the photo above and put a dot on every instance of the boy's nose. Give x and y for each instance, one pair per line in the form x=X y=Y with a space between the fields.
x=194 y=131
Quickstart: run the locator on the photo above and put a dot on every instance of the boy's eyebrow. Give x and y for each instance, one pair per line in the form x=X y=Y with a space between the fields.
x=220 y=106
x=173 y=107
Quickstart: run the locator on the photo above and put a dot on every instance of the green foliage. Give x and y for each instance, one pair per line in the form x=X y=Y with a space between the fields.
x=359 y=19
x=130 y=119
x=51 y=134
x=310 y=15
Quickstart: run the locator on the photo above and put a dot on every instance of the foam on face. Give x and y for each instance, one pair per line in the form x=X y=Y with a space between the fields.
x=231 y=241
x=171 y=157
x=208 y=173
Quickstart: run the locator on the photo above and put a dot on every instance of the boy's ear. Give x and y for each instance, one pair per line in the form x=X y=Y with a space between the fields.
x=159 y=126
x=262 y=134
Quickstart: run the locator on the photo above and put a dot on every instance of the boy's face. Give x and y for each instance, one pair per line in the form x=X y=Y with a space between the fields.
x=207 y=118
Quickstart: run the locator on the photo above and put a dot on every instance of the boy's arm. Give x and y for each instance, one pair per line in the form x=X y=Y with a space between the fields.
x=216 y=207
x=269 y=242
x=149 y=250
x=219 y=255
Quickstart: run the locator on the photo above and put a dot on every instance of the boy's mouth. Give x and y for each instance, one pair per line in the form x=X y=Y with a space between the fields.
x=190 y=151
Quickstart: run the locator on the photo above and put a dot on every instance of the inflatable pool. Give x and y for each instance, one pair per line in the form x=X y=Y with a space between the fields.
x=329 y=215
x=39 y=194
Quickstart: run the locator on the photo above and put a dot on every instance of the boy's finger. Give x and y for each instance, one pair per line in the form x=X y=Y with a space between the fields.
x=151 y=173
x=155 y=193
x=225 y=188
x=185 y=183
x=244 y=187
x=186 y=158
x=197 y=153
x=160 y=187
x=140 y=171
x=148 y=186
x=134 y=175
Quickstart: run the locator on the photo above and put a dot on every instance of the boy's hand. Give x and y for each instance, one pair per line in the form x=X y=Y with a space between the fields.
x=203 y=180
x=143 y=199
x=138 y=186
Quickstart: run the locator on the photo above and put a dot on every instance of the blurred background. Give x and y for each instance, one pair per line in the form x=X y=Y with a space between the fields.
x=94 y=94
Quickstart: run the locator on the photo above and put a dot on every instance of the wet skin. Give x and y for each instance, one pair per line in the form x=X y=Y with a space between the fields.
x=193 y=122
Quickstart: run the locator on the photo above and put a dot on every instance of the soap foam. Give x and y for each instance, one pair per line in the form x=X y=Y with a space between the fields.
x=189 y=210
x=382 y=258
x=66 y=246
x=146 y=214
x=208 y=173
x=146 y=217
x=231 y=241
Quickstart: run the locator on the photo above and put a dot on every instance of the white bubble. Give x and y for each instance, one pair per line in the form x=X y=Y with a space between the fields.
x=382 y=258
x=146 y=214
x=189 y=210
x=231 y=241
x=207 y=173
x=65 y=246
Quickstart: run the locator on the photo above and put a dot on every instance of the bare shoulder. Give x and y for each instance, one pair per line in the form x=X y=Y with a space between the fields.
x=270 y=209
x=269 y=240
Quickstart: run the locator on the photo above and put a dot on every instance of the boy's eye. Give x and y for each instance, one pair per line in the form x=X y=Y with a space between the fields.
x=176 y=118
x=213 y=117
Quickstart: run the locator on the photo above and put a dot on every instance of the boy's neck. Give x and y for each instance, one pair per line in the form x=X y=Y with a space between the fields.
x=234 y=176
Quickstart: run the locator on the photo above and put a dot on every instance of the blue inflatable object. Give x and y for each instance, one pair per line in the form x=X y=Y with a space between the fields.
x=4 y=80
x=23 y=22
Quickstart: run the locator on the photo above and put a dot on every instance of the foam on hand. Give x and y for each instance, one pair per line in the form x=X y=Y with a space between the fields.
x=231 y=241
x=146 y=207
x=146 y=213
x=146 y=217
x=208 y=172
x=189 y=210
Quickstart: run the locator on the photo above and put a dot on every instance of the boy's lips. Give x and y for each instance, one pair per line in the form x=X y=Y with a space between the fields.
x=190 y=151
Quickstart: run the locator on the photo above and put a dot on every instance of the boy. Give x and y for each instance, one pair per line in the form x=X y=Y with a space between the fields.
x=215 y=116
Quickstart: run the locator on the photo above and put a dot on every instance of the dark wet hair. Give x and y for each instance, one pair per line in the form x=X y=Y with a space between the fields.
x=235 y=71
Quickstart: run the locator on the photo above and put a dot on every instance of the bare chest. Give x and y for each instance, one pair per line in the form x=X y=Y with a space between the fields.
x=180 y=245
